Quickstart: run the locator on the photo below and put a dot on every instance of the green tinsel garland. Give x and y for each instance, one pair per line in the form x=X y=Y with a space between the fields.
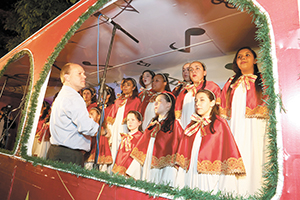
x=23 y=112
x=271 y=168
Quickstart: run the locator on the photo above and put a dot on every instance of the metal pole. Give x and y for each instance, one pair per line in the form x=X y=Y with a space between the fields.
x=102 y=92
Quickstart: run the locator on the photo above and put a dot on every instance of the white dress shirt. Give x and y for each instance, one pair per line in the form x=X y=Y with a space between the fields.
x=70 y=125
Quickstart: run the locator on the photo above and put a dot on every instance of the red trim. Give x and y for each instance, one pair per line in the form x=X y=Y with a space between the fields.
x=12 y=182
x=19 y=177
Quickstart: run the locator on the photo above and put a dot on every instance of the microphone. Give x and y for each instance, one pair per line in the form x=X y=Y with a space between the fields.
x=106 y=18
x=118 y=27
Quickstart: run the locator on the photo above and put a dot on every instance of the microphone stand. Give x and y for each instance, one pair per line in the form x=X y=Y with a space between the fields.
x=9 y=124
x=3 y=86
x=102 y=91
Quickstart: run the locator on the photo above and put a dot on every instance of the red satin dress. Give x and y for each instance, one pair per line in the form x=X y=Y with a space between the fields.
x=180 y=86
x=185 y=102
x=206 y=158
x=255 y=108
x=248 y=117
x=41 y=142
x=147 y=106
x=92 y=105
x=123 y=159
x=104 y=156
x=116 y=119
x=156 y=151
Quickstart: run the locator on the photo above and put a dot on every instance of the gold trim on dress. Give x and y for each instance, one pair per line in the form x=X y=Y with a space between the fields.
x=182 y=161
x=225 y=113
x=260 y=112
x=162 y=162
x=231 y=166
x=102 y=160
x=138 y=155
x=178 y=114
x=119 y=169
x=110 y=120
x=105 y=160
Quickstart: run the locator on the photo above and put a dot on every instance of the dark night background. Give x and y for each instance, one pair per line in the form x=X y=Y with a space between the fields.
x=19 y=19
x=6 y=9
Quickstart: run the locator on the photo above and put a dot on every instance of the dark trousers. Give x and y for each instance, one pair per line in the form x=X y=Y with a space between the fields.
x=66 y=155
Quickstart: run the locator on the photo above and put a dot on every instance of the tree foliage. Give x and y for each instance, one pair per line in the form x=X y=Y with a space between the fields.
x=31 y=15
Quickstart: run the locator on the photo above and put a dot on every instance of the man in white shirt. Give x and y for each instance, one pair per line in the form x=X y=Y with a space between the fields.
x=70 y=125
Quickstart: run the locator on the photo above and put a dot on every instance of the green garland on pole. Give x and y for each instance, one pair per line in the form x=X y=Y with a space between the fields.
x=271 y=168
x=268 y=189
x=23 y=112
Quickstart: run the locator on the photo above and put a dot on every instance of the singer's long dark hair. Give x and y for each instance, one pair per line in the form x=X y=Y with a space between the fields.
x=135 y=92
x=93 y=94
x=238 y=73
x=139 y=117
x=141 y=77
x=165 y=78
x=45 y=113
x=214 y=111
x=204 y=77
x=168 y=123
x=110 y=91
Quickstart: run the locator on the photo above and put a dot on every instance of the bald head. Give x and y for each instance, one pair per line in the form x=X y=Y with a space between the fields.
x=73 y=75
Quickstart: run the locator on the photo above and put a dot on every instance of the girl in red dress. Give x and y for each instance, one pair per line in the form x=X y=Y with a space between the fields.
x=89 y=96
x=160 y=84
x=104 y=157
x=146 y=81
x=243 y=103
x=128 y=100
x=207 y=153
x=156 y=150
x=110 y=100
x=41 y=142
x=123 y=160
x=186 y=79
x=104 y=154
x=185 y=105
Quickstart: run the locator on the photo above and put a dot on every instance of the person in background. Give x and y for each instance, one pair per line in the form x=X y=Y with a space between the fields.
x=104 y=155
x=157 y=147
x=208 y=156
x=127 y=101
x=103 y=142
x=89 y=96
x=123 y=160
x=146 y=80
x=186 y=80
x=160 y=84
x=41 y=142
x=185 y=103
x=110 y=99
x=243 y=103
x=70 y=124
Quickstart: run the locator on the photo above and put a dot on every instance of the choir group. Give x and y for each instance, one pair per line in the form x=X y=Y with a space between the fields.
x=197 y=135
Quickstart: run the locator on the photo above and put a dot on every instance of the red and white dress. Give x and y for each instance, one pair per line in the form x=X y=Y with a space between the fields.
x=116 y=120
x=104 y=156
x=147 y=106
x=179 y=87
x=185 y=102
x=41 y=142
x=92 y=105
x=208 y=159
x=155 y=152
x=247 y=117
x=123 y=159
